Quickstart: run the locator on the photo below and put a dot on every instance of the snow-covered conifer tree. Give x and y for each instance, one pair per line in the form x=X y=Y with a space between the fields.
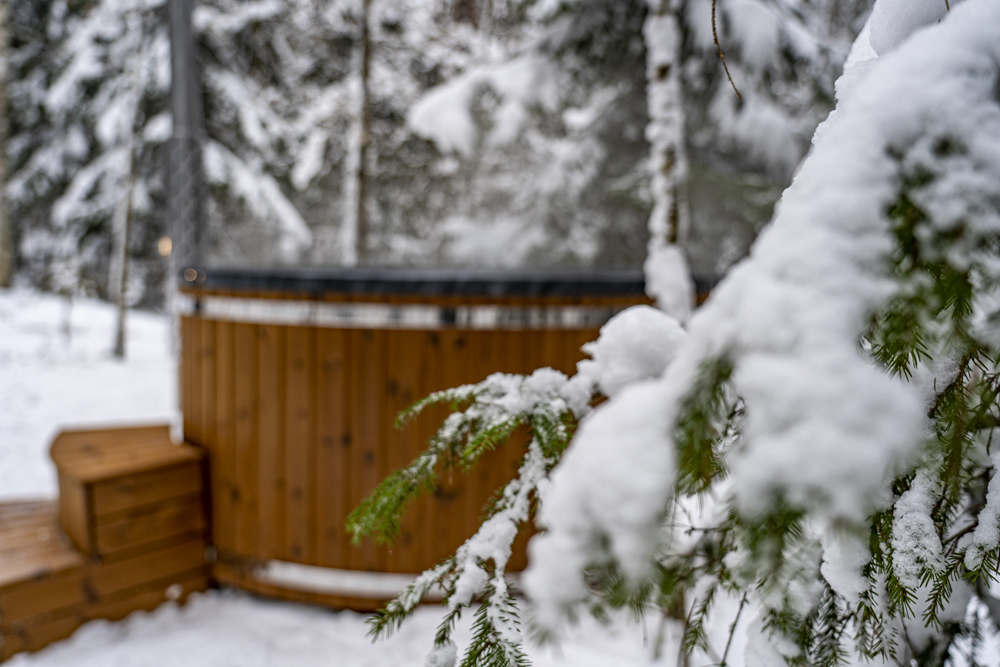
x=93 y=77
x=726 y=158
x=542 y=107
x=6 y=235
x=806 y=473
x=88 y=84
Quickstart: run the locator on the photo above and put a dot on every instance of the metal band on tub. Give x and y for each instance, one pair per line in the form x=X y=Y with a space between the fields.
x=393 y=316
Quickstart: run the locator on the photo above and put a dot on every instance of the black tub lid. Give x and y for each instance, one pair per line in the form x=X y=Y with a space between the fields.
x=460 y=282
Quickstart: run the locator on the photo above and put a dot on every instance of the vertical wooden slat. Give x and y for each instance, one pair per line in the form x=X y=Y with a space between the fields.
x=206 y=426
x=476 y=484
x=450 y=526
x=486 y=477
x=300 y=444
x=425 y=427
x=207 y=384
x=367 y=368
x=381 y=423
x=509 y=355
x=247 y=441
x=531 y=350
x=332 y=456
x=193 y=353
x=403 y=370
x=421 y=430
x=549 y=352
x=223 y=455
x=271 y=490
x=183 y=370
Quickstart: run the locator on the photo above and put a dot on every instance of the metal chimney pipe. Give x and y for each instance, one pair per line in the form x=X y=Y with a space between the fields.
x=185 y=174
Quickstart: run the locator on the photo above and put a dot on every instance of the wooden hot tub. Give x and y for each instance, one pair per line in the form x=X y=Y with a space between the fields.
x=291 y=379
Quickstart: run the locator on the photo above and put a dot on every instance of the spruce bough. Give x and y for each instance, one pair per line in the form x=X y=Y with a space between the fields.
x=816 y=467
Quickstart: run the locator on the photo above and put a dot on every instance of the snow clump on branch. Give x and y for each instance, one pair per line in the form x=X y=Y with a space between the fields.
x=825 y=430
x=635 y=344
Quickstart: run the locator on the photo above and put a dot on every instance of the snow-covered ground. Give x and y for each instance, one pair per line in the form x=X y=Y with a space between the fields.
x=230 y=629
x=49 y=381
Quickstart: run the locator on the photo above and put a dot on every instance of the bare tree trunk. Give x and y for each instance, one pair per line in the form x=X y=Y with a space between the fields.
x=123 y=216
x=665 y=131
x=486 y=17
x=357 y=232
x=123 y=236
x=67 y=320
x=6 y=233
x=668 y=279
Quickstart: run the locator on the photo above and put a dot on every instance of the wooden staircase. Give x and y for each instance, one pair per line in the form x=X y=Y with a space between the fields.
x=128 y=532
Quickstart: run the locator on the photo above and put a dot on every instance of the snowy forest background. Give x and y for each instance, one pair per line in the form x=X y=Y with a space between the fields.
x=503 y=132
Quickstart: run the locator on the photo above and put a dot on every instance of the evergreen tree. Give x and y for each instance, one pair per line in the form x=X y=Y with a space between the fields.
x=6 y=236
x=88 y=103
x=595 y=71
x=548 y=156
x=810 y=462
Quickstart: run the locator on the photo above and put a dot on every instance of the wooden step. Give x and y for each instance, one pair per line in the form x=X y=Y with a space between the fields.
x=122 y=488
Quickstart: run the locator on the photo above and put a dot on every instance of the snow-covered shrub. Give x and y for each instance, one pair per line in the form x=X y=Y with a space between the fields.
x=814 y=470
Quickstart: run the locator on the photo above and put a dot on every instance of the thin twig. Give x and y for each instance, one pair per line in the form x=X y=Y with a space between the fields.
x=661 y=632
x=715 y=36
x=947 y=6
x=732 y=631
x=682 y=654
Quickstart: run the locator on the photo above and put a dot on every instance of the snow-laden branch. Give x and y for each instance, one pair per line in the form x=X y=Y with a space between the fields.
x=445 y=115
x=262 y=195
x=549 y=404
x=896 y=208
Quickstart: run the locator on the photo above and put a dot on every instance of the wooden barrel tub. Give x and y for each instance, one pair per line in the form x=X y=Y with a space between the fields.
x=292 y=379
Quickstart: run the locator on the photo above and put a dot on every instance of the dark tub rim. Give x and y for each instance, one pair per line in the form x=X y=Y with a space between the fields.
x=425 y=281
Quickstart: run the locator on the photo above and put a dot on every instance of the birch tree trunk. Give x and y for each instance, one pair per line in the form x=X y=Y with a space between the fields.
x=668 y=279
x=6 y=232
x=356 y=232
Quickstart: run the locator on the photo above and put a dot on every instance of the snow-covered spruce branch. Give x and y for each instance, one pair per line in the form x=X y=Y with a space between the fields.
x=549 y=404
x=860 y=343
x=494 y=408
x=819 y=445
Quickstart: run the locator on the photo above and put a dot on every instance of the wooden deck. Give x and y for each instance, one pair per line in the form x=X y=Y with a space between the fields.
x=128 y=533
x=42 y=598
x=48 y=588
